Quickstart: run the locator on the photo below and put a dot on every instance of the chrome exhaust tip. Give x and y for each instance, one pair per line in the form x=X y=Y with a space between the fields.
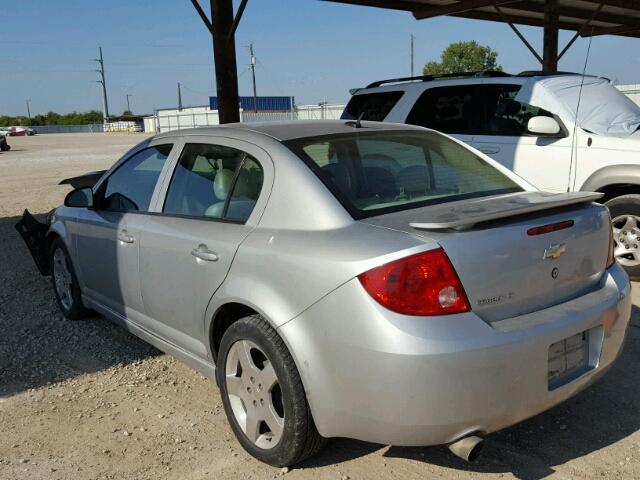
x=467 y=448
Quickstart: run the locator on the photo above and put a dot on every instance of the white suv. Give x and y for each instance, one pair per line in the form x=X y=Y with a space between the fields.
x=528 y=123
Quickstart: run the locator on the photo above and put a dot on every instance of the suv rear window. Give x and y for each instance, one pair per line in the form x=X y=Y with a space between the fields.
x=372 y=173
x=375 y=106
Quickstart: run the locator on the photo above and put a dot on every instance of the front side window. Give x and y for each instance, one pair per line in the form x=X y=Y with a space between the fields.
x=130 y=187
x=372 y=106
x=380 y=172
x=503 y=115
x=214 y=181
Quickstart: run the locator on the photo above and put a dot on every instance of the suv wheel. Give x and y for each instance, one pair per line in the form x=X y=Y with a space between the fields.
x=625 y=218
x=263 y=395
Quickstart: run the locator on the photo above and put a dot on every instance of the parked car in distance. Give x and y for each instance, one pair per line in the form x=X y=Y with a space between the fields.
x=21 y=131
x=528 y=123
x=4 y=145
x=345 y=279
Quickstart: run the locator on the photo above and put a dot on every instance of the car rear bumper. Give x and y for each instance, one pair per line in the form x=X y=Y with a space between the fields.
x=378 y=376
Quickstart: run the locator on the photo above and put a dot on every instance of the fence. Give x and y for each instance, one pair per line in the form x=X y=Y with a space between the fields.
x=90 y=128
x=194 y=117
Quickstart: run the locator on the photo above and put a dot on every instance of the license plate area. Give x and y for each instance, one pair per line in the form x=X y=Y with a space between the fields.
x=569 y=359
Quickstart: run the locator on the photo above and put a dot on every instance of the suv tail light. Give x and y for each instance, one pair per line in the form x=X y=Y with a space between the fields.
x=422 y=284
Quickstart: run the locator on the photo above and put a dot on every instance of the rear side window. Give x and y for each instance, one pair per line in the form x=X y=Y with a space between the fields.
x=131 y=186
x=372 y=173
x=446 y=109
x=214 y=181
x=375 y=106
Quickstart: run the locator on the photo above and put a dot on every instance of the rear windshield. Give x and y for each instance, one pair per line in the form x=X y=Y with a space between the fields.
x=372 y=173
x=372 y=106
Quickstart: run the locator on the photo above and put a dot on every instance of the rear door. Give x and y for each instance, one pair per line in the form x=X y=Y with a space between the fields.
x=107 y=236
x=209 y=203
x=451 y=109
x=502 y=134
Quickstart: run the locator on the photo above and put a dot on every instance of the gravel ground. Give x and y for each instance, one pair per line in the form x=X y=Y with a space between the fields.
x=87 y=400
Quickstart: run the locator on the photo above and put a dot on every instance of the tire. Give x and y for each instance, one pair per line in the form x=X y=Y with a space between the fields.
x=298 y=438
x=625 y=215
x=69 y=302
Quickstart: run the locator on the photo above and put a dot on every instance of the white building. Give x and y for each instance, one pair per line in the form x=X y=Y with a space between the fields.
x=173 y=119
x=631 y=91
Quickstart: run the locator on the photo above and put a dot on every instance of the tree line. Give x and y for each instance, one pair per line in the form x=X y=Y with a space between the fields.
x=53 y=118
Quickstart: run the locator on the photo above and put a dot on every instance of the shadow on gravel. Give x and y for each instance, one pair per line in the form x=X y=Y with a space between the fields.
x=38 y=346
x=600 y=416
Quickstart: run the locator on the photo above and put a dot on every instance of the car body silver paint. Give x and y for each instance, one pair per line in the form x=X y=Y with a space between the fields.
x=297 y=267
x=377 y=376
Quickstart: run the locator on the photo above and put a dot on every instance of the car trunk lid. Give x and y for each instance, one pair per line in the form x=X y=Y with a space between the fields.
x=505 y=270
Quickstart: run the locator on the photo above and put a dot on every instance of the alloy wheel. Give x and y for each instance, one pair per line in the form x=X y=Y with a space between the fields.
x=626 y=234
x=254 y=394
x=62 y=278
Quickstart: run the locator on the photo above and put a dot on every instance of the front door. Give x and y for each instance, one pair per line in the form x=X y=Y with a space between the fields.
x=107 y=236
x=187 y=248
x=502 y=135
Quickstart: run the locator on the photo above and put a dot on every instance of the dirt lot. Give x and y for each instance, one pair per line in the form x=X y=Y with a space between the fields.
x=87 y=400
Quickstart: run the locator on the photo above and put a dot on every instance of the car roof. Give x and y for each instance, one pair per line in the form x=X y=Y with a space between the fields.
x=292 y=129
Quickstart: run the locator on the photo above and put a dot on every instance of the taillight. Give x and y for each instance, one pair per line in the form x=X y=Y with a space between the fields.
x=611 y=257
x=422 y=284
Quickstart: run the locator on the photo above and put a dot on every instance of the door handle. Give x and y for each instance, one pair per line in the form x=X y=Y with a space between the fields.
x=125 y=237
x=203 y=253
x=489 y=150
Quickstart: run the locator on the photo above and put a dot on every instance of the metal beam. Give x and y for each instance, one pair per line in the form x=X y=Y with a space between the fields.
x=224 y=53
x=584 y=25
x=203 y=15
x=516 y=19
x=236 y=20
x=428 y=11
x=582 y=13
x=550 y=37
x=621 y=30
x=391 y=5
x=505 y=19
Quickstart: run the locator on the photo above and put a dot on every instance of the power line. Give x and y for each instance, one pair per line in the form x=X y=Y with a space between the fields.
x=128 y=105
x=179 y=97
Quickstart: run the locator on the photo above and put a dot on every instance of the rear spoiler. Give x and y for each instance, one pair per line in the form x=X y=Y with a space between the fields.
x=86 y=180
x=465 y=214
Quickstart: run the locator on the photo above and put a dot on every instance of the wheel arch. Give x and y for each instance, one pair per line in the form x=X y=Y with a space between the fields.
x=614 y=181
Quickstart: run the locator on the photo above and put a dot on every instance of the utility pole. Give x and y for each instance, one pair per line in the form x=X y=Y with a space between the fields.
x=102 y=81
x=412 y=54
x=253 y=76
x=128 y=104
x=179 y=98
x=29 y=110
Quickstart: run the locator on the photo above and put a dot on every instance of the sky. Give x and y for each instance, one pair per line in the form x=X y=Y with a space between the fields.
x=310 y=49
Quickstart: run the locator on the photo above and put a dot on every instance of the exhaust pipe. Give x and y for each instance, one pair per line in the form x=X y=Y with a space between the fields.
x=467 y=448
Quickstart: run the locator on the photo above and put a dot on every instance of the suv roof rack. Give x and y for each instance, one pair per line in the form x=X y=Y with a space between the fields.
x=429 y=78
x=542 y=73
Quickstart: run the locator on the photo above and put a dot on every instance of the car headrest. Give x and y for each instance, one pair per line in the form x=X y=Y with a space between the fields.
x=507 y=107
x=339 y=174
x=414 y=179
x=222 y=183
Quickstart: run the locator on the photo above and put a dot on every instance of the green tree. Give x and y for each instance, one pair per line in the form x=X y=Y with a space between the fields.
x=127 y=113
x=460 y=57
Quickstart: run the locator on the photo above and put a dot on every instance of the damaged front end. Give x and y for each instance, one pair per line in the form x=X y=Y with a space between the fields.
x=34 y=234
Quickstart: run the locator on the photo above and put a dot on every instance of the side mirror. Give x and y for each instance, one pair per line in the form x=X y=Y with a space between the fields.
x=79 y=198
x=543 y=126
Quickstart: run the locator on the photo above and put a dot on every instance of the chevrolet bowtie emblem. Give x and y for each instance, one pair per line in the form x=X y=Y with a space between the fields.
x=555 y=251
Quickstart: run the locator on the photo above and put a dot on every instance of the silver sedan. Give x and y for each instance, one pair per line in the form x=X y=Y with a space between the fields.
x=344 y=279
